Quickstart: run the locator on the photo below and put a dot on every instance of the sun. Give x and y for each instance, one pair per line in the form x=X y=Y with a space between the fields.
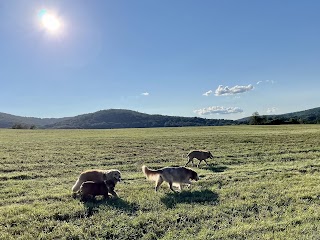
x=50 y=22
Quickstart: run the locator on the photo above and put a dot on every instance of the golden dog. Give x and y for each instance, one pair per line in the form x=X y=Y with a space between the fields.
x=171 y=175
x=98 y=176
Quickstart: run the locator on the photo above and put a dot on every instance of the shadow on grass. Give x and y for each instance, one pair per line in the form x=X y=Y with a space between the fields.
x=215 y=168
x=205 y=196
x=92 y=206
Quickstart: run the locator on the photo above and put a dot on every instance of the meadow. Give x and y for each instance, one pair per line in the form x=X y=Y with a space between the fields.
x=263 y=183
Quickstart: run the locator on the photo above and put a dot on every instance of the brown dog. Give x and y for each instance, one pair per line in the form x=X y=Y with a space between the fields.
x=171 y=175
x=98 y=176
x=200 y=155
x=92 y=189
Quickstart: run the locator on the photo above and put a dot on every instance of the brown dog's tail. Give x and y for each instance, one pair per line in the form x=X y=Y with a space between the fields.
x=150 y=173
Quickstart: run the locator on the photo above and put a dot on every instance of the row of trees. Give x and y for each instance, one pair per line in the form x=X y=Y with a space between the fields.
x=257 y=119
x=23 y=126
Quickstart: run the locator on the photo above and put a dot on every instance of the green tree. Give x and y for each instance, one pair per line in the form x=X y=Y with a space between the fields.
x=255 y=119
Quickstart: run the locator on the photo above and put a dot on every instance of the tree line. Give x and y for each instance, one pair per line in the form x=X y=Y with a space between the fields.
x=257 y=119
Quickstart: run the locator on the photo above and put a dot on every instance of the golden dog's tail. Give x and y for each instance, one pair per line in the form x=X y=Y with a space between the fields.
x=76 y=186
x=150 y=173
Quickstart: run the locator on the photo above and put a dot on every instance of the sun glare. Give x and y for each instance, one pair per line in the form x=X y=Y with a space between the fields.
x=50 y=22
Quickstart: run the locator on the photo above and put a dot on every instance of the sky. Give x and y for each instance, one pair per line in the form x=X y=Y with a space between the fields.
x=209 y=58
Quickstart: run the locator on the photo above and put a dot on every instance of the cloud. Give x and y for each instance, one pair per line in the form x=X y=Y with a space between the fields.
x=270 y=81
x=145 y=94
x=224 y=91
x=218 y=110
x=207 y=93
x=272 y=110
x=267 y=81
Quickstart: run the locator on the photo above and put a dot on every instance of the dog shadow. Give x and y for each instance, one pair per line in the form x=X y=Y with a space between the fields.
x=215 y=168
x=204 y=196
x=92 y=206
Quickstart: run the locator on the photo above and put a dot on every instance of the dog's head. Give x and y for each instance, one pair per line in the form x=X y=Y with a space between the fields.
x=113 y=175
x=210 y=154
x=116 y=175
x=194 y=175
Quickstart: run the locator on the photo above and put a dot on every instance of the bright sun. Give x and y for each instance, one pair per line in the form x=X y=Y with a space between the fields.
x=49 y=21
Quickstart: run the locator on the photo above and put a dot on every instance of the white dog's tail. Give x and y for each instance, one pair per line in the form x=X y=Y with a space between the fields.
x=150 y=173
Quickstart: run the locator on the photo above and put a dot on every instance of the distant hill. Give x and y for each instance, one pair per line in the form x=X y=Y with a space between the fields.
x=310 y=116
x=120 y=118
x=8 y=121
x=104 y=119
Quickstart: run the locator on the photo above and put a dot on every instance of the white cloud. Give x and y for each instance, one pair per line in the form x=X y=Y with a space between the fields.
x=223 y=91
x=207 y=93
x=145 y=94
x=267 y=81
x=272 y=110
x=270 y=81
x=218 y=110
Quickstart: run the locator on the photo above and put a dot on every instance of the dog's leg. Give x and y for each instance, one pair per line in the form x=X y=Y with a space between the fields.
x=158 y=183
x=189 y=160
x=205 y=162
x=84 y=198
x=171 y=187
x=188 y=183
x=113 y=193
x=105 y=196
x=199 y=163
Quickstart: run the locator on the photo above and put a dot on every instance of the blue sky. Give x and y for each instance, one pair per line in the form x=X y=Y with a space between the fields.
x=212 y=59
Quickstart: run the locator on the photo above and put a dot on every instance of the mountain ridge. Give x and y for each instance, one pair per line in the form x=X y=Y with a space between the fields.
x=8 y=120
x=123 y=118
x=311 y=115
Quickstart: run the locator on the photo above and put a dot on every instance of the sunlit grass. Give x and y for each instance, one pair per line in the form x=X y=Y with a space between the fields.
x=264 y=182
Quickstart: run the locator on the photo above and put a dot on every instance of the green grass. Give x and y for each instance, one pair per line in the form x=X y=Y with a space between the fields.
x=264 y=183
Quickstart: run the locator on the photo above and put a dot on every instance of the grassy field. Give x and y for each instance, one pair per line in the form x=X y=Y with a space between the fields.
x=264 y=183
